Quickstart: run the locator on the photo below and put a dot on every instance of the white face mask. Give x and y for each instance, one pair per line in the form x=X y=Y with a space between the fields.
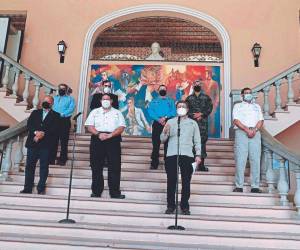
x=107 y=90
x=181 y=111
x=105 y=104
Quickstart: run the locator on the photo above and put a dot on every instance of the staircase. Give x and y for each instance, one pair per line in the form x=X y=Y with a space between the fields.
x=220 y=218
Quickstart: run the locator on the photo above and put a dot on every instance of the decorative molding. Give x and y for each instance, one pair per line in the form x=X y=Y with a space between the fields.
x=161 y=8
x=124 y=57
x=202 y=58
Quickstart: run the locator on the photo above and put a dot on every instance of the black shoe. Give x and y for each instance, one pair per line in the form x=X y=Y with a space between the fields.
x=95 y=195
x=120 y=196
x=153 y=167
x=61 y=163
x=24 y=191
x=256 y=190
x=185 y=211
x=237 y=190
x=170 y=210
x=42 y=192
x=203 y=169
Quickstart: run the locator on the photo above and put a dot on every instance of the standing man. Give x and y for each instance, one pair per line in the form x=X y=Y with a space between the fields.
x=248 y=120
x=200 y=106
x=106 y=125
x=42 y=126
x=160 y=110
x=189 y=139
x=64 y=104
x=106 y=89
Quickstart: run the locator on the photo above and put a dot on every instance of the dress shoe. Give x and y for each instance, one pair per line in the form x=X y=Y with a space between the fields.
x=43 y=192
x=170 y=210
x=24 y=191
x=256 y=190
x=237 y=190
x=95 y=195
x=185 y=211
x=61 y=163
x=120 y=196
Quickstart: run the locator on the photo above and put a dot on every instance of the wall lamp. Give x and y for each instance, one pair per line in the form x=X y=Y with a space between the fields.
x=256 y=49
x=61 y=47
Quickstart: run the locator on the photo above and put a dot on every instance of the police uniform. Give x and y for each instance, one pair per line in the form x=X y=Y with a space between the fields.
x=249 y=114
x=105 y=122
x=201 y=103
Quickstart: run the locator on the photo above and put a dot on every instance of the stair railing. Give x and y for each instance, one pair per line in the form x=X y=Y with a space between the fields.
x=12 y=139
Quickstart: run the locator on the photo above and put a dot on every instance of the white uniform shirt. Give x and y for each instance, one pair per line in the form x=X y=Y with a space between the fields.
x=249 y=114
x=105 y=121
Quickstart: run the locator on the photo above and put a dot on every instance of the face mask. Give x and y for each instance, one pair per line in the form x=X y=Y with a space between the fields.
x=105 y=104
x=107 y=90
x=197 y=88
x=61 y=92
x=248 y=97
x=163 y=92
x=181 y=111
x=46 y=105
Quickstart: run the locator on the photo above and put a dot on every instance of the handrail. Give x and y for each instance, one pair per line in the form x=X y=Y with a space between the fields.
x=12 y=132
x=278 y=148
x=27 y=71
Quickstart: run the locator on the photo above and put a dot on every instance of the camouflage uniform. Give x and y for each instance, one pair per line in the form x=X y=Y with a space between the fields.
x=201 y=103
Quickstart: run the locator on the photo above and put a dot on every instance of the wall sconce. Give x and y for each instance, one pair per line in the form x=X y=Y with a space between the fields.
x=256 y=49
x=61 y=47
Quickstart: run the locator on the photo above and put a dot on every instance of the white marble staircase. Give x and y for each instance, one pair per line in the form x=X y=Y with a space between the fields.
x=220 y=218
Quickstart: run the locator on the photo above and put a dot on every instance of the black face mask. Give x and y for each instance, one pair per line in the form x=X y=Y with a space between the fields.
x=197 y=88
x=61 y=92
x=163 y=92
x=46 y=105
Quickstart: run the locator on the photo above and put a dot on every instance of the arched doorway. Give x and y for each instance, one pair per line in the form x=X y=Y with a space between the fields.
x=110 y=25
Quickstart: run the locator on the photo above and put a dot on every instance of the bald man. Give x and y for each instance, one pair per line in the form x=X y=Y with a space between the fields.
x=42 y=127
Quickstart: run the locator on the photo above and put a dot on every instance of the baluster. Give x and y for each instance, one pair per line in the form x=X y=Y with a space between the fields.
x=6 y=162
x=297 y=193
x=26 y=89
x=278 y=97
x=270 y=174
x=47 y=90
x=290 y=95
x=282 y=186
x=35 y=100
x=263 y=168
x=15 y=86
x=266 y=105
x=5 y=78
x=19 y=153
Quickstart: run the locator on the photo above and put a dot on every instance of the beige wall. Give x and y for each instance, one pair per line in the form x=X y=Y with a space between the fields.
x=291 y=138
x=272 y=23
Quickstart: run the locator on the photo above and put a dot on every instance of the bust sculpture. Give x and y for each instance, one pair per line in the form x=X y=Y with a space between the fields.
x=155 y=48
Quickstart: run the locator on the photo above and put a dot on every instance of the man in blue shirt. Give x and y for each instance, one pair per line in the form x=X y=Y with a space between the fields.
x=160 y=110
x=64 y=104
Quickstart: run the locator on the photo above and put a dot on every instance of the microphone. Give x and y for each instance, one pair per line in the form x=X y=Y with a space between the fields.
x=76 y=116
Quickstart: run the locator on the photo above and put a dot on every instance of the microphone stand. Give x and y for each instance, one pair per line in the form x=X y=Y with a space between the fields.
x=176 y=226
x=67 y=220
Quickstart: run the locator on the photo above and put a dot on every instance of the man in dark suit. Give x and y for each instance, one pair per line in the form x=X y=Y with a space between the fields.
x=42 y=127
x=106 y=89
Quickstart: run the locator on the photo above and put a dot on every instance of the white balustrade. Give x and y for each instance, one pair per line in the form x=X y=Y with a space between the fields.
x=297 y=193
x=266 y=106
x=15 y=86
x=35 y=101
x=270 y=174
x=5 y=77
x=282 y=186
x=290 y=95
x=26 y=89
x=6 y=160
x=278 y=97
x=19 y=152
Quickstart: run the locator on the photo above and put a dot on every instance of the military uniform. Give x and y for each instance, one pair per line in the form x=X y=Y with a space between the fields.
x=201 y=103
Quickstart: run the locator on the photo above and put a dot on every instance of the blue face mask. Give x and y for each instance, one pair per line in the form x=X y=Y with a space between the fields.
x=248 y=97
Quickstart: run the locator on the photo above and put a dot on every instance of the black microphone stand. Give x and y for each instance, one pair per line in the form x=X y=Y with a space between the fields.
x=67 y=220
x=176 y=226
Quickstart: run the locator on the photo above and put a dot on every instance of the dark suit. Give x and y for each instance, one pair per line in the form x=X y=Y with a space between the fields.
x=96 y=101
x=39 y=150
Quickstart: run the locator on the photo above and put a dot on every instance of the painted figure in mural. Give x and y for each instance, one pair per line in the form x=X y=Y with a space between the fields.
x=211 y=88
x=200 y=107
x=98 y=86
x=160 y=110
x=189 y=139
x=155 y=55
x=247 y=120
x=104 y=88
x=135 y=120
